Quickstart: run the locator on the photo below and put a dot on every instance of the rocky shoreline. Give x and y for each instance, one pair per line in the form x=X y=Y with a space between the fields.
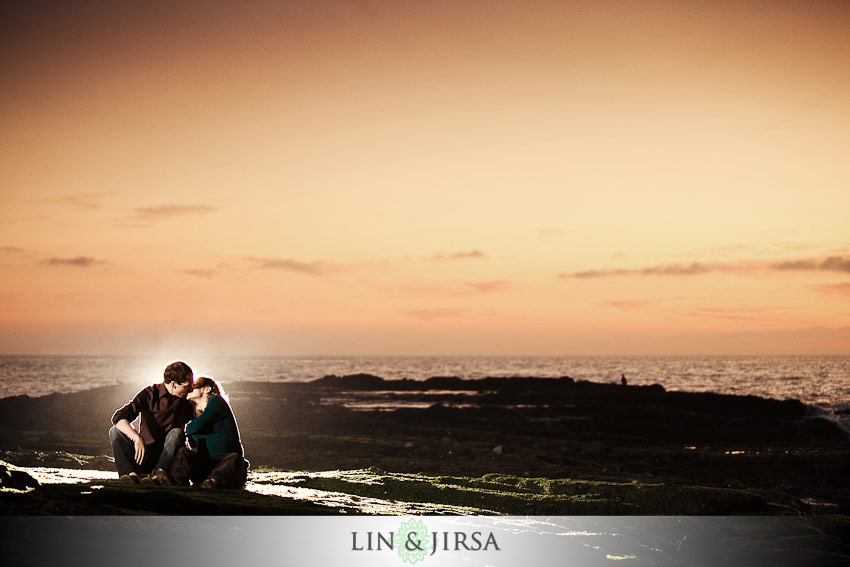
x=534 y=428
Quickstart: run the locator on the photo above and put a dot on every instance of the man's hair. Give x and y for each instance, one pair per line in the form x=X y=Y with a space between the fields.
x=177 y=372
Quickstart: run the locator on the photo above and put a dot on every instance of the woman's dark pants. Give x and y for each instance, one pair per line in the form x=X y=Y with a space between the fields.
x=228 y=472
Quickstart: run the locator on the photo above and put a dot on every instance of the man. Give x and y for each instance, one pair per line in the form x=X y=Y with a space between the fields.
x=164 y=411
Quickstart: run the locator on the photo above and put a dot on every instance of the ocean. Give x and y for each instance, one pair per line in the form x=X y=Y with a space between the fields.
x=822 y=381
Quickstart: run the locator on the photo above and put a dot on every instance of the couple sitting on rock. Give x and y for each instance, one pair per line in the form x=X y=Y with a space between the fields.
x=174 y=412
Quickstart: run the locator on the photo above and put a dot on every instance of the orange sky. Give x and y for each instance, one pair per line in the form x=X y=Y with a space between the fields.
x=425 y=178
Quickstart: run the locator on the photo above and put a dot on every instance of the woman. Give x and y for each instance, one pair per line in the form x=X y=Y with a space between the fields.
x=216 y=458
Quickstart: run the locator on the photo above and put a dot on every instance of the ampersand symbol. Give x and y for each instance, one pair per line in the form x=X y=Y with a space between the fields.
x=410 y=540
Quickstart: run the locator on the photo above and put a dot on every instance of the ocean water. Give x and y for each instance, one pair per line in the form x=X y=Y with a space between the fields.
x=822 y=381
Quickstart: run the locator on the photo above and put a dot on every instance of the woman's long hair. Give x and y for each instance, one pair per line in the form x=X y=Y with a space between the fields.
x=215 y=390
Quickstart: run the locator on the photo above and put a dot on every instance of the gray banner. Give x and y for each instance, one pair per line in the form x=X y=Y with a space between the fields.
x=430 y=541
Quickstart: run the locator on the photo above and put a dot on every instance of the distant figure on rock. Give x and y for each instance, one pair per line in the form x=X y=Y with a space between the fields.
x=164 y=411
x=623 y=380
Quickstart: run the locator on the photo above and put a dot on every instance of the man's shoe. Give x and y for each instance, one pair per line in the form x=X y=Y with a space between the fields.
x=148 y=481
x=209 y=484
x=131 y=478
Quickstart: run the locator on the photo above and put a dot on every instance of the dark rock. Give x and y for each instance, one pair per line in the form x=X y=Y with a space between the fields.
x=23 y=479
x=594 y=449
x=18 y=480
x=351 y=381
x=820 y=507
x=444 y=383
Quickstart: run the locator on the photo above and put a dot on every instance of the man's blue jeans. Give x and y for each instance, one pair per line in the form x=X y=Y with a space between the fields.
x=156 y=456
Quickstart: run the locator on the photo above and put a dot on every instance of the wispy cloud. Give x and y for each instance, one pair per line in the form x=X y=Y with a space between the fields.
x=456 y=313
x=206 y=274
x=81 y=201
x=77 y=262
x=692 y=269
x=839 y=288
x=740 y=314
x=470 y=255
x=12 y=250
x=628 y=304
x=428 y=315
x=165 y=212
x=668 y=306
x=290 y=265
x=830 y=264
x=489 y=287
x=767 y=314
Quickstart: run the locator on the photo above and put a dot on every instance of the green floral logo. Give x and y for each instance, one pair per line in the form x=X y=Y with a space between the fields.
x=411 y=541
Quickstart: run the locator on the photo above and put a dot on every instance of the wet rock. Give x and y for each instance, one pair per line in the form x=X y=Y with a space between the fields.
x=498 y=449
x=409 y=445
x=376 y=470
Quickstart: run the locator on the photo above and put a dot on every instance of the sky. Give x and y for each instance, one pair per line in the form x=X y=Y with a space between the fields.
x=418 y=177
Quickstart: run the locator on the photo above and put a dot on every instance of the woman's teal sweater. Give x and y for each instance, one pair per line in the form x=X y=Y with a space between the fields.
x=215 y=430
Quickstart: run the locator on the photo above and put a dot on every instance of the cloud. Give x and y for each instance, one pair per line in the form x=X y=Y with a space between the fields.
x=489 y=287
x=428 y=315
x=290 y=265
x=743 y=314
x=839 y=288
x=11 y=250
x=431 y=315
x=640 y=303
x=692 y=269
x=83 y=201
x=700 y=312
x=165 y=212
x=626 y=304
x=830 y=264
x=207 y=274
x=78 y=262
x=470 y=255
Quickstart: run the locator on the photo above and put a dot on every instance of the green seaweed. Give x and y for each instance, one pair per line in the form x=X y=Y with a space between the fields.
x=507 y=494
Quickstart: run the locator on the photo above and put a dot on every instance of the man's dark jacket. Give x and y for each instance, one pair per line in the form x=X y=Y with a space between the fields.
x=160 y=413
